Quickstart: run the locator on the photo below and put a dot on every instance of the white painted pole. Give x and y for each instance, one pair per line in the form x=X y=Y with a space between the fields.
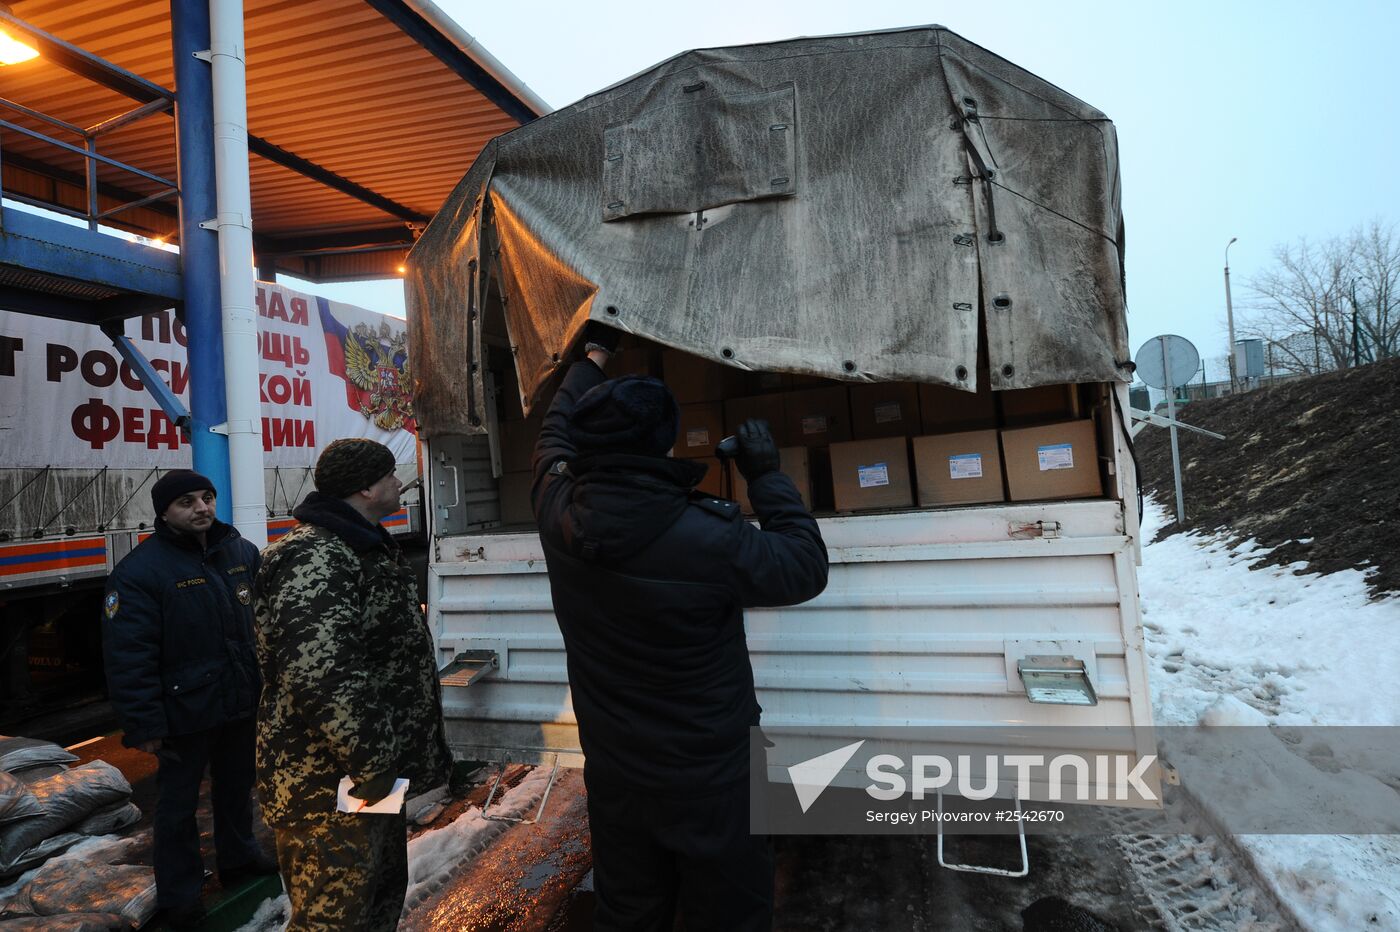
x=1230 y=320
x=1171 y=416
x=236 y=277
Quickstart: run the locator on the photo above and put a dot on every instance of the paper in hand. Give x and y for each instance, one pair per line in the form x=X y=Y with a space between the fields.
x=390 y=804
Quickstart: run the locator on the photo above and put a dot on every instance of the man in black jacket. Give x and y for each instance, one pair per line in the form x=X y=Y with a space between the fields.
x=649 y=581
x=182 y=672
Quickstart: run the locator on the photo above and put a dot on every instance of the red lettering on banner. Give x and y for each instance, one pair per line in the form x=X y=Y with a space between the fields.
x=61 y=359
x=301 y=392
x=283 y=348
x=177 y=376
x=97 y=377
x=276 y=309
x=304 y=434
x=8 y=347
x=162 y=431
x=261 y=301
x=95 y=422
x=276 y=390
x=284 y=432
x=299 y=311
x=156 y=327
x=179 y=329
x=133 y=425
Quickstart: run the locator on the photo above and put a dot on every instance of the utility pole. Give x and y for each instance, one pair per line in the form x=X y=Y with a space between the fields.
x=1230 y=318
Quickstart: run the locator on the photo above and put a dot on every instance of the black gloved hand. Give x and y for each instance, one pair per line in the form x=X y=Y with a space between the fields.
x=602 y=336
x=758 y=453
x=374 y=789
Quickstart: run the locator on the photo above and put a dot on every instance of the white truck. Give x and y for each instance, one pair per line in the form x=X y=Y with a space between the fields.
x=82 y=440
x=889 y=207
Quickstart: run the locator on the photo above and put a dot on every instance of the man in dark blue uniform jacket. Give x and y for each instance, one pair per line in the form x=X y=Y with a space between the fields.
x=650 y=580
x=182 y=672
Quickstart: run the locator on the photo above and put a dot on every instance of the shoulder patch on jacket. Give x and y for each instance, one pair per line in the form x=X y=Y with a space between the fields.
x=726 y=510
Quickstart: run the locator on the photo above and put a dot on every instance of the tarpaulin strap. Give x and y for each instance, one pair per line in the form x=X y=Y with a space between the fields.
x=985 y=174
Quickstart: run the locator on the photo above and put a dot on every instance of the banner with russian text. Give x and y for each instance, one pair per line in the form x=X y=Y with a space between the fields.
x=327 y=370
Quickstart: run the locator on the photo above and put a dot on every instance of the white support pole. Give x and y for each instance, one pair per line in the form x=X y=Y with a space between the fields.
x=235 y=225
x=1171 y=416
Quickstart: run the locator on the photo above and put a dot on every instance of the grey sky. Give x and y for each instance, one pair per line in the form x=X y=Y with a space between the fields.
x=1263 y=120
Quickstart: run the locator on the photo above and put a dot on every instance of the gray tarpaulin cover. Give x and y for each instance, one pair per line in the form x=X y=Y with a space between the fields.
x=843 y=206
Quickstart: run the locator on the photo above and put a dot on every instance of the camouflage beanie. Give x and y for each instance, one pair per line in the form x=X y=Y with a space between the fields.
x=352 y=464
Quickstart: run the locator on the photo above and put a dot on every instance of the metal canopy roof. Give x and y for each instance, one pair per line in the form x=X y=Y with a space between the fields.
x=362 y=116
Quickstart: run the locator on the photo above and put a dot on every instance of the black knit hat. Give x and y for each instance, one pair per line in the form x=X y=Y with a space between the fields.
x=347 y=466
x=632 y=414
x=174 y=484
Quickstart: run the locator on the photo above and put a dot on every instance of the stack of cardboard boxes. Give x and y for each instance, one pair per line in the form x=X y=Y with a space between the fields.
x=861 y=447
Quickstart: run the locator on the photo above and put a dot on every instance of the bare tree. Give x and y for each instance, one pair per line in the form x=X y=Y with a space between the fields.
x=1377 y=292
x=1329 y=305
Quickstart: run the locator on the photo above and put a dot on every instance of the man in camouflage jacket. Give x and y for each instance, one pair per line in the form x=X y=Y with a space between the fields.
x=351 y=690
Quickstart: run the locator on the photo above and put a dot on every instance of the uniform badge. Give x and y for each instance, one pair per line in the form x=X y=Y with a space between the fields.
x=110 y=605
x=244 y=593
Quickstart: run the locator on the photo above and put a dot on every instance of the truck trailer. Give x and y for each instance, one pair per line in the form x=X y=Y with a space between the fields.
x=907 y=254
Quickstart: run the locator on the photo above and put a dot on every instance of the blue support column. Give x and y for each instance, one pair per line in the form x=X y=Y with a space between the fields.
x=199 y=248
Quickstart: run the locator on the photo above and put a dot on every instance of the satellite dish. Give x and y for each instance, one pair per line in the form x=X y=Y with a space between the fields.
x=1167 y=361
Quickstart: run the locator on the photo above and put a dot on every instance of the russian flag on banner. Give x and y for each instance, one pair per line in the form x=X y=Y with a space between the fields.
x=375 y=373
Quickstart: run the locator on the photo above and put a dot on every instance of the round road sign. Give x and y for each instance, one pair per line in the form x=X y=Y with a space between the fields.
x=1167 y=361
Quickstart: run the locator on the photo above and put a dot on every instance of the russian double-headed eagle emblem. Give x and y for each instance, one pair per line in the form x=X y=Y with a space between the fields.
x=376 y=362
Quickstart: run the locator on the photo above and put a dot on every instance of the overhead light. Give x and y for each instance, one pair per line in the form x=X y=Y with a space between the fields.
x=403 y=269
x=13 y=51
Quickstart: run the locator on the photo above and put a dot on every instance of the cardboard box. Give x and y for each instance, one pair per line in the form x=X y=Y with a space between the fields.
x=946 y=410
x=515 y=498
x=869 y=474
x=692 y=379
x=817 y=416
x=958 y=469
x=518 y=444
x=713 y=484
x=794 y=463
x=1042 y=405
x=1052 y=461
x=702 y=426
x=758 y=407
x=884 y=409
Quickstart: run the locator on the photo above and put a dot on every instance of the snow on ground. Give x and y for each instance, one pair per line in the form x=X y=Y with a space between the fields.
x=1234 y=646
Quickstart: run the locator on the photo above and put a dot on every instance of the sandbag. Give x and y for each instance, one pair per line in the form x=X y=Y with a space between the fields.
x=73 y=922
x=16 y=802
x=67 y=799
x=110 y=819
x=39 y=772
x=18 y=753
x=40 y=852
x=71 y=885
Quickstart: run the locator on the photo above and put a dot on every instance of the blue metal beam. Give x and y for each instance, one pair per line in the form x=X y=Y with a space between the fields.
x=421 y=31
x=169 y=402
x=41 y=304
x=55 y=248
x=199 y=248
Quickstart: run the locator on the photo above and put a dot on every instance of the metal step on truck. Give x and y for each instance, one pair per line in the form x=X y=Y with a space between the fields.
x=905 y=253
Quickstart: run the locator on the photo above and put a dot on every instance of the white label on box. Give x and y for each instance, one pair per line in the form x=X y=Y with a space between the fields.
x=965 y=466
x=1055 y=456
x=872 y=476
x=697 y=437
x=814 y=424
x=887 y=412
